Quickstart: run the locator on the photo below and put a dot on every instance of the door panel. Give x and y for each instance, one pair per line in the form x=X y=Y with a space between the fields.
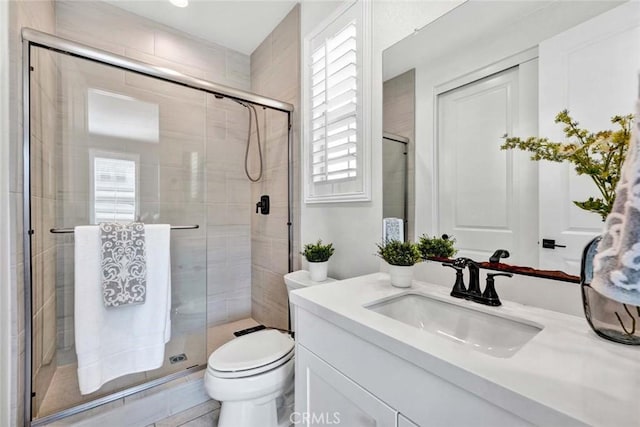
x=480 y=187
x=605 y=50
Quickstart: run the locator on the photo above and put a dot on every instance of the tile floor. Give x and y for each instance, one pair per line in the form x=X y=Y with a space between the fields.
x=203 y=415
x=63 y=391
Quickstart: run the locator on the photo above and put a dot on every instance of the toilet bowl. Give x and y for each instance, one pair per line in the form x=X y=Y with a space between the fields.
x=252 y=375
x=247 y=375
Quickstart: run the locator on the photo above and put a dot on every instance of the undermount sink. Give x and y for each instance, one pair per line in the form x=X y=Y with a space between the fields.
x=493 y=335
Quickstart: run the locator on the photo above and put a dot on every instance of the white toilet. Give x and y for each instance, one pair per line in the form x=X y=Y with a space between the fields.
x=252 y=375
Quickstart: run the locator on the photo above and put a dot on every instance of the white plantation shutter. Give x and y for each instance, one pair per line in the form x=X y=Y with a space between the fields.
x=334 y=108
x=114 y=189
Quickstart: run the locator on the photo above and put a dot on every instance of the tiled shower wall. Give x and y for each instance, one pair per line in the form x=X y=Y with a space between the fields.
x=275 y=72
x=38 y=15
x=225 y=209
x=399 y=119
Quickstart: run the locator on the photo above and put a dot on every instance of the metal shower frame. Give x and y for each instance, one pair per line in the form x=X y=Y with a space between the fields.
x=405 y=141
x=34 y=38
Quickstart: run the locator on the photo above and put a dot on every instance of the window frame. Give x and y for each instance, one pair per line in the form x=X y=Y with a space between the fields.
x=346 y=190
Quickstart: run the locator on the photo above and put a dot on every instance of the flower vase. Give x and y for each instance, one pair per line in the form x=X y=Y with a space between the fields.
x=318 y=270
x=610 y=319
x=401 y=275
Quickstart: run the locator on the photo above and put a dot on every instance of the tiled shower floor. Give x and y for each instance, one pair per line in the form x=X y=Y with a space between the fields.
x=63 y=391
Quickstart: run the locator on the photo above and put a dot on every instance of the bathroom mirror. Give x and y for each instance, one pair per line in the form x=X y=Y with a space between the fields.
x=486 y=70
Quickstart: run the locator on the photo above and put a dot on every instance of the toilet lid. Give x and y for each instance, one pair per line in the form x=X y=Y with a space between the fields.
x=251 y=351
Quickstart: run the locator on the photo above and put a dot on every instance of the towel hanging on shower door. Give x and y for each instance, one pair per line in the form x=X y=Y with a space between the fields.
x=111 y=343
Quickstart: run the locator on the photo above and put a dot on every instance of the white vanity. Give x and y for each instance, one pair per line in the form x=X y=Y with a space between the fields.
x=369 y=354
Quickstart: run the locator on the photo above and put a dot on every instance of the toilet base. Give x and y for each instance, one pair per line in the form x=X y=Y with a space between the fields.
x=263 y=412
x=249 y=414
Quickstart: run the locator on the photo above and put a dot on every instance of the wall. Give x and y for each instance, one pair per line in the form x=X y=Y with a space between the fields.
x=355 y=228
x=5 y=227
x=275 y=72
x=223 y=211
x=398 y=98
x=38 y=15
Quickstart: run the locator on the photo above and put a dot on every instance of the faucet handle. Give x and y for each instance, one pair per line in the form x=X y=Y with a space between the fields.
x=490 y=296
x=459 y=290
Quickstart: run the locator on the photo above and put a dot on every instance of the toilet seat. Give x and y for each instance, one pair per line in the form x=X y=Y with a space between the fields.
x=251 y=354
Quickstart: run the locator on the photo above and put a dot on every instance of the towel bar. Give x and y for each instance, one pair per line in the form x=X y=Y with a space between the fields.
x=173 y=227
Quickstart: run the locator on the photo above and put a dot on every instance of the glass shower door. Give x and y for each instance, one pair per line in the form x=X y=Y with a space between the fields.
x=109 y=145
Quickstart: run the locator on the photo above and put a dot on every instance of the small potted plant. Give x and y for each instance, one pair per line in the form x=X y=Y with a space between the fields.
x=438 y=247
x=401 y=257
x=318 y=256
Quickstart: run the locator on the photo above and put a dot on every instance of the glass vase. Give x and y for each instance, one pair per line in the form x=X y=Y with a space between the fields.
x=609 y=319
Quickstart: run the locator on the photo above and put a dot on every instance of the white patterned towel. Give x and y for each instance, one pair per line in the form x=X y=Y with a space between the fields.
x=617 y=264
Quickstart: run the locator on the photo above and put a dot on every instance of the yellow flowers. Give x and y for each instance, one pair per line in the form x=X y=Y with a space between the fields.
x=567 y=149
x=599 y=155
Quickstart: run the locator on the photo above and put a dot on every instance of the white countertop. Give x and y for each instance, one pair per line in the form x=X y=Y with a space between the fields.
x=566 y=367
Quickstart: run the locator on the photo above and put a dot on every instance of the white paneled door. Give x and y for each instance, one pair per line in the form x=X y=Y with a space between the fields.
x=591 y=70
x=487 y=197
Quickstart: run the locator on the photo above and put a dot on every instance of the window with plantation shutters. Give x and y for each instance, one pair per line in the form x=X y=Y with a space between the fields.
x=333 y=87
x=115 y=187
x=334 y=107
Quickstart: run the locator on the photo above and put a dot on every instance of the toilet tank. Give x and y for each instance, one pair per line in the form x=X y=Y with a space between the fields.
x=297 y=280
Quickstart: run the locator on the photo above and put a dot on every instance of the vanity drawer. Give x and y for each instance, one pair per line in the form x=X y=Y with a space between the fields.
x=325 y=397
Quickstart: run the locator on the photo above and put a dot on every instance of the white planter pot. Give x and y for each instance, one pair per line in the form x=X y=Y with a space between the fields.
x=318 y=271
x=401 y=275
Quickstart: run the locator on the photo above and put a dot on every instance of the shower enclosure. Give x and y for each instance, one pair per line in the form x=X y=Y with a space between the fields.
x=109 y=139
x=395 y=184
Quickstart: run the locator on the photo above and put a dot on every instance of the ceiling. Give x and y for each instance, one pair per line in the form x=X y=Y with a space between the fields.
x=240 y=25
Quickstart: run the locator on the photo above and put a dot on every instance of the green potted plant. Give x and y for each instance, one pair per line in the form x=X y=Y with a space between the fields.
x=438 y=247
x=401 y=257
x=318 y=256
